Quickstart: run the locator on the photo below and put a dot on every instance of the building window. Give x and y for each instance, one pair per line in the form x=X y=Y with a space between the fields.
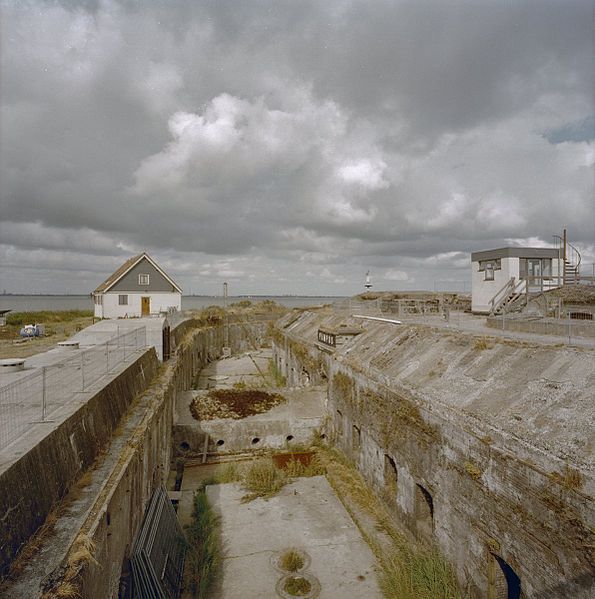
x=123 y=300
x=489 y=271
x=143 y=279
x=488 y=267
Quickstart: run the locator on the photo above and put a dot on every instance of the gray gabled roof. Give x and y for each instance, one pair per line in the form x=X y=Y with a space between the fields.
x=127 y=267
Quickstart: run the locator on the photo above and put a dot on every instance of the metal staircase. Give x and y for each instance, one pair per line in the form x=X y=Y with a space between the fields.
x=572 y=260
x=512 y=297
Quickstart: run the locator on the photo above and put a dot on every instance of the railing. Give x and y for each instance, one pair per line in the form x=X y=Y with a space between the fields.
x=508 y=291
x=572 y=257
x=35 y=397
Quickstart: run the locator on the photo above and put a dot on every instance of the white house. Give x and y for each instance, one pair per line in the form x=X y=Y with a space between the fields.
x=501 y=276
x=138 y=288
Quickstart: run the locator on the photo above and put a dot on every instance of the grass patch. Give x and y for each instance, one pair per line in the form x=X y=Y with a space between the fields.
x=297 y=586
x=296 y=468
x=263 y=479
x=291 y=561
x=407 y=571
x=203 y=557
x=46 y=316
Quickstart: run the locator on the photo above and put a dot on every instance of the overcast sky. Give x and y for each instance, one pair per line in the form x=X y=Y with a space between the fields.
x=288 y=146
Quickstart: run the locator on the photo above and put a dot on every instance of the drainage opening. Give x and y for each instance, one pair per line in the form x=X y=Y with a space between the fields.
x=220 y=442
x=184 y=446
x=289 y=438
x=255 y=440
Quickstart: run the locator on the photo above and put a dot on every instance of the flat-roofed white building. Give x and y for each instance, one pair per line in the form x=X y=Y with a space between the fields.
x=502 y=275
x=140 y=287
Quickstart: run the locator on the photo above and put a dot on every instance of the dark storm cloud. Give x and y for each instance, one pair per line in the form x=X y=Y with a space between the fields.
x=248 y=139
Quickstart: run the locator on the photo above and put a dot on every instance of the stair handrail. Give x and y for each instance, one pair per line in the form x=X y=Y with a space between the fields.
x=574 y=260
x=501 y=295
x=510 y=289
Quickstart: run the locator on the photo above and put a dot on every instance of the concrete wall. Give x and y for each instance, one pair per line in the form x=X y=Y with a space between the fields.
x=424 y=415
x=115 y=518
x=483 y=291
x=42 y=476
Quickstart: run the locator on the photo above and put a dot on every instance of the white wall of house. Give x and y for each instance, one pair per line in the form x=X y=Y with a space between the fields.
x=110 y=306
x=482 y=290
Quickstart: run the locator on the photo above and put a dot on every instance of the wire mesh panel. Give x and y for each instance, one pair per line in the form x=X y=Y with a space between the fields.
x=35 y=397
x=158 y=553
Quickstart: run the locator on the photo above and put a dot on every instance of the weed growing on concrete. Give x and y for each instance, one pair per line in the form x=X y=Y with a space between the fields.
x=229 y=473
x=263 y=480
x=297 y=586
x=203 y=557
x=482 y=343
x=407 y=572
x=291 y=561
x=473 y=471
x=296 y=468
x=276 y=375
x=569 y=478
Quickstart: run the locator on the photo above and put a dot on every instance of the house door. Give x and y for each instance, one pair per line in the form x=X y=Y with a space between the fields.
x=145 y=306
x=534 y=280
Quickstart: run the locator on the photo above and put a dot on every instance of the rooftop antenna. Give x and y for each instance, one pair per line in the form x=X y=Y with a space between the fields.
x=368 y=285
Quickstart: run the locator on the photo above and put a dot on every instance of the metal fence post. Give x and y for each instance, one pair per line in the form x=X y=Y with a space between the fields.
x=83 y=371
x=43 y=393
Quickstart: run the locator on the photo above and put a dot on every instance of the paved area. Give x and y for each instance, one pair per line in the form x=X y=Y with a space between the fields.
x=251 y=369
x=305 y=515
x=53 y=383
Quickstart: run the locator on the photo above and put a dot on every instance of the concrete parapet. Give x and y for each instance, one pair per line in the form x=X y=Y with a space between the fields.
x=33 y=482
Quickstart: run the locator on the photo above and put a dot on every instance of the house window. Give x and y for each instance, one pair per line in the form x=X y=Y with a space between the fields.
x=489 y=271
x=143 y=279
x=488 y=267
x=123 y=300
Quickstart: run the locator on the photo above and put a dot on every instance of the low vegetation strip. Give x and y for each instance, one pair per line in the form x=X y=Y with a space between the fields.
x=233 y=403
x=203 y=557
x=407 y=571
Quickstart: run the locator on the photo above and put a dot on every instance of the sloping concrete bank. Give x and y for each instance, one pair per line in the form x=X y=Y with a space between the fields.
x=35 y=481
x=484 y=447
x=115 y=517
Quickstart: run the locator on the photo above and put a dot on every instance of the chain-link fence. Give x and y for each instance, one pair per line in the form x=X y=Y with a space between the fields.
x=569 y=322
x=33 y=398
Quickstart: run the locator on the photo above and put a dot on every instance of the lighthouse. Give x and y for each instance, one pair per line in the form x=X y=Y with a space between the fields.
x=367 y=284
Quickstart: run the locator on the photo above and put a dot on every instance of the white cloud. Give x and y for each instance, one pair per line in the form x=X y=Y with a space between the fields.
x=396 y=275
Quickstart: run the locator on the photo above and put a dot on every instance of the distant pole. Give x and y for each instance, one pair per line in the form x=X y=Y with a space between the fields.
x=43 y=393
x=226 y=326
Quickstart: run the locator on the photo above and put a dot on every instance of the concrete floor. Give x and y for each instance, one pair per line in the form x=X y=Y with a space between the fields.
x=305 y=515
x=250 y=368
x=292 y=422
